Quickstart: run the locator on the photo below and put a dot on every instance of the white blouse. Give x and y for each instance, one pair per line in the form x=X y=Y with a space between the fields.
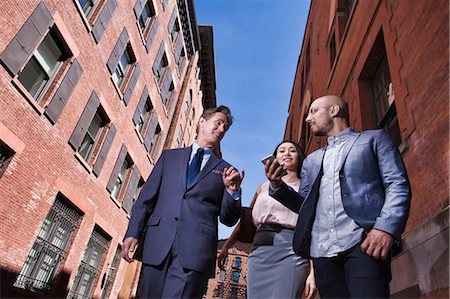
x=268 y=210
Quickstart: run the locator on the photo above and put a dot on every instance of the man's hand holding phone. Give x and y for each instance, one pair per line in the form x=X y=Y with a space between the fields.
x=274 y=171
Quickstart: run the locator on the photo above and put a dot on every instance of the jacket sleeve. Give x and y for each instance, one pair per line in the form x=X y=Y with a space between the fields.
x=146 y=201
x=395 y=210
x=288 y=197
x=230 y=211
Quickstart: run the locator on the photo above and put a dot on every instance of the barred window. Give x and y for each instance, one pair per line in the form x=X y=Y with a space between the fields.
x=89 y=268
x=49 y=249
x=111 y=274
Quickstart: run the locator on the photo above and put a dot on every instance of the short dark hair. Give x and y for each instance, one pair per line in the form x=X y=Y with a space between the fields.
x=301 y=153
x=207 y=113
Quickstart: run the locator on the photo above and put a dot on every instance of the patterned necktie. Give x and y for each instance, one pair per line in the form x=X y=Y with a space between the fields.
x=194 y=167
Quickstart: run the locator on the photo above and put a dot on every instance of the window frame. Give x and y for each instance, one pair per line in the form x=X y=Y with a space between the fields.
x=41 y=95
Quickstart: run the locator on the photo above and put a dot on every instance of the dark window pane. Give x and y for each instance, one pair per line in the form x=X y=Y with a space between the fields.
x=91 y=136
x=33 y=77
x=42 y=66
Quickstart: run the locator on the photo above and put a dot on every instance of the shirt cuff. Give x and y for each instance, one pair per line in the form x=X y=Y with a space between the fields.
x=272 y=189
x=235 y=194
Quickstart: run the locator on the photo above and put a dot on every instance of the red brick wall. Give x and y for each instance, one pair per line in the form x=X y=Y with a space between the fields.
x=46 y=164
x=416 y=39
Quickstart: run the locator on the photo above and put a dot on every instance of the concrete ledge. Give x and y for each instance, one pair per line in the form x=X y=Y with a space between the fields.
x=423 y=266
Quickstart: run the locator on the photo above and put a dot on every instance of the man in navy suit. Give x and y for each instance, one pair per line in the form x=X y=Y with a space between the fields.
x=353 y=204
x=177 y=211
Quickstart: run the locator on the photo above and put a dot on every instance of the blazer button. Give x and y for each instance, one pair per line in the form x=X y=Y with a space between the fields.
x=176 y=218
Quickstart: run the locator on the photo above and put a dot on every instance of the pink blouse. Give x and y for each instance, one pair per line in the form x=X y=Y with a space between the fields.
x=269 y=210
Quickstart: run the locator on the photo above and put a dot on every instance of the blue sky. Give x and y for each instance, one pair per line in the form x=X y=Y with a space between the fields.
x=256 y=48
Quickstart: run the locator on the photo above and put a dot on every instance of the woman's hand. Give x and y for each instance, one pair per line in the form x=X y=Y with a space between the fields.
x=222 y=257
x=310 y=289
x=274 y=172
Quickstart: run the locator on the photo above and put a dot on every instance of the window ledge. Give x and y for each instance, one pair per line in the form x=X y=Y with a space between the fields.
x=39 y=109
x=83 y=162
x=119 y=92
x=116 y=202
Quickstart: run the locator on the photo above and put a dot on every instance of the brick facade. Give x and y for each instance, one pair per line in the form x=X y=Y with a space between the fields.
x=343 y=44
x=41 y=162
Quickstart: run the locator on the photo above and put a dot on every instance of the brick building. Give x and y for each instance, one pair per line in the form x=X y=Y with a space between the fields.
x=231 y=282
x=90 y=92
x=389 y=59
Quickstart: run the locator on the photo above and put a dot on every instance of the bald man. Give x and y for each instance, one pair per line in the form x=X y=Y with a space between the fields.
x=353 y=204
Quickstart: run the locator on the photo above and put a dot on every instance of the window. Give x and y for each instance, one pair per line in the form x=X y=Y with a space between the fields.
x=161 y=68
x=93 y=135
x=135 y=192
x=155 y=141
x=121 y=178
x=222 y=276
x=144 y=117
x=88 y=6
x=167 y=94
x=90 y=265
x=6 y=154
x=188 y=102
x=234 y=291
x=383 y=99
x=332 y=49
x=236 y=275
x=146 y=15
x=108 y=278
x=43 y=65
x=104 y=17
x=174 y=26
x=123 y=67
x=179 y=139
x=49 y=248
x=375 y=85
x=237 y=262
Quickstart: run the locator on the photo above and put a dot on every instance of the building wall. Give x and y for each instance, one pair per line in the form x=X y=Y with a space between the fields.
x=190 y=107
x=43 y=163
x=222 y=284
x=415 y=40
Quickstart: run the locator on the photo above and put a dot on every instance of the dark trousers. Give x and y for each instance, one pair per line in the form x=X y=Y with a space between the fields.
x=171 y=280
x=352 y=274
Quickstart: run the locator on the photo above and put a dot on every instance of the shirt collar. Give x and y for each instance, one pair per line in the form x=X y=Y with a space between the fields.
x=195 y=147
x=340 y=137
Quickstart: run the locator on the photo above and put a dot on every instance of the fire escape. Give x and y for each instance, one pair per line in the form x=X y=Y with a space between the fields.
x=231 y=284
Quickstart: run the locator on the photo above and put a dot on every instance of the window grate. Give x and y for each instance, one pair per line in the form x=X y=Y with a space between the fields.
x=49 y=248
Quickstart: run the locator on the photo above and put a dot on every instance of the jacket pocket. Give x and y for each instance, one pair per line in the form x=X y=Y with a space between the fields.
x=154 y=220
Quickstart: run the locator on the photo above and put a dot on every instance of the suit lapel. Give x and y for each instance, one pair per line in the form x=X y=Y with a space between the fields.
x=186 y=154
x=210 y=165
x=347 y=147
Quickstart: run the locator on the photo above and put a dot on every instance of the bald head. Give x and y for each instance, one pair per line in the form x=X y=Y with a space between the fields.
x=328 y=115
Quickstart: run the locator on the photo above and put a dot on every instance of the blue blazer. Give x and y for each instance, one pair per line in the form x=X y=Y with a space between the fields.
x=167 y=209
x=374 y=186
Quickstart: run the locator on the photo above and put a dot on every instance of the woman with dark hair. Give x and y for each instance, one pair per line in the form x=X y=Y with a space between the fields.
x=274 y=270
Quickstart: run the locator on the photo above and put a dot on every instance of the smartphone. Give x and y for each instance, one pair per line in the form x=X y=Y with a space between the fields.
x=271 y=158
x=267 y=158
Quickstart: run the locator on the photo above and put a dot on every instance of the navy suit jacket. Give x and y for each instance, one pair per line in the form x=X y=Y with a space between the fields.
x=374 y=187
x=167 y=210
